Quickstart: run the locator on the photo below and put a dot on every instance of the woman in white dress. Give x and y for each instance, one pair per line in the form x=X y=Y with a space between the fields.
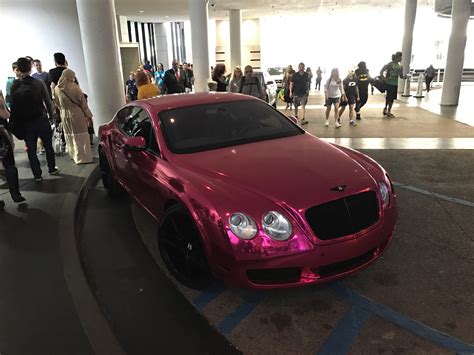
x=75 y=116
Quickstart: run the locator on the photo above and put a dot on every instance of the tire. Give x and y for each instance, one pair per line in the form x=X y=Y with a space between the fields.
x=181 y=249
x=113 y=187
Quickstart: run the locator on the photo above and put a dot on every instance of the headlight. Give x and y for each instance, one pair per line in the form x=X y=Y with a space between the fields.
x=276 y=226
x=242 y=226
x=385 y=193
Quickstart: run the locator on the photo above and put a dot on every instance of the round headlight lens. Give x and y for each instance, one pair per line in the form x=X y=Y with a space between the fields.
x=276 y=226
x=242 y=226
x=384 y=192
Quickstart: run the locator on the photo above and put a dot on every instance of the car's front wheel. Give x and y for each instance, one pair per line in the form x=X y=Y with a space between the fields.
x=181 y=249
x=112 y=186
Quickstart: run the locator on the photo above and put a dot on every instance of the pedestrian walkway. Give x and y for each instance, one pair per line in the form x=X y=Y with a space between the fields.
x=36 y=308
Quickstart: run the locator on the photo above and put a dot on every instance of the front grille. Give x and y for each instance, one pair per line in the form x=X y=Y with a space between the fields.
x=344 y=216
x=274 y=276
x=343 y=266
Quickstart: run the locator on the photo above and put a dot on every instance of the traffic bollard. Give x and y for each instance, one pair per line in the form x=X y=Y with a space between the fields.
x=419 y=91
x=406 y=92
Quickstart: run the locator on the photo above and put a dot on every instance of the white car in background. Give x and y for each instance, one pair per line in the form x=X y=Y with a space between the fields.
x=269 y=86
x=276 y=74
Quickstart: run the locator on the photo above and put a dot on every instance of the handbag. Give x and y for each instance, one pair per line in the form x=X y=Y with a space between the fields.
x=379 y=84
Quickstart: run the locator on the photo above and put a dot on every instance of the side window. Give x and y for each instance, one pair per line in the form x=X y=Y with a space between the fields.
x=121 y=117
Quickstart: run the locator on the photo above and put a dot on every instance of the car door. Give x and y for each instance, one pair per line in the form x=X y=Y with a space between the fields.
x=146 y=166
x=118 y=152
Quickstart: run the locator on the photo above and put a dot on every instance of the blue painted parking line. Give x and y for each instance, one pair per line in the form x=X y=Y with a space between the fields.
x=346 y=332
x=439 y=196
x=233 y=319
x=424 y=331
x=208 y=295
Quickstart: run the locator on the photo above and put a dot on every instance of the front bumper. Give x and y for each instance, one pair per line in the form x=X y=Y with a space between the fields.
x=322 y=263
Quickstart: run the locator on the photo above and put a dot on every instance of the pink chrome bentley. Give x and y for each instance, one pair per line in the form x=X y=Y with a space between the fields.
x=242 y=193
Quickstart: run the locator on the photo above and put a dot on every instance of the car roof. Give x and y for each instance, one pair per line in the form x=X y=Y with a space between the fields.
x=167 y=102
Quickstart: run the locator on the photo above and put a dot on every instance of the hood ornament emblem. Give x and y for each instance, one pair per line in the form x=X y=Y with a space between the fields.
x=338 y=188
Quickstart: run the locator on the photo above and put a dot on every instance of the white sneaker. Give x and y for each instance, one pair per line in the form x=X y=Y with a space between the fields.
x=352 y=123
x=337 y=124
x=327 y=123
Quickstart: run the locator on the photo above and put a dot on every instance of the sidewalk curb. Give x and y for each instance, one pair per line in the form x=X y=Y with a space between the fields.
x=98 y=331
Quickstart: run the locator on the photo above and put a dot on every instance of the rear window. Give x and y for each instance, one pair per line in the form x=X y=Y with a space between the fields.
x=213 y=126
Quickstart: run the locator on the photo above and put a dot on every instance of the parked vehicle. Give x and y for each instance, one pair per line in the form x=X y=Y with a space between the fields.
x=269 y=86
x=276 y=74
x=240 y=192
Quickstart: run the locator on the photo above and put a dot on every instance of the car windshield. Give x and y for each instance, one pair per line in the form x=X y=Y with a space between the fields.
x=275 y=71
x=213 y=126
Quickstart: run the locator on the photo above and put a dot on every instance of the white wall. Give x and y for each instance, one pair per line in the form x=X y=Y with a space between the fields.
x=39 y=29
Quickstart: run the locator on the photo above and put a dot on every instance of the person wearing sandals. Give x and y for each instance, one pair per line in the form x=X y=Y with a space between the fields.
x=286 y=86
x=75 y=117
x=333 y=92
x=390 y=74
x=352 y=97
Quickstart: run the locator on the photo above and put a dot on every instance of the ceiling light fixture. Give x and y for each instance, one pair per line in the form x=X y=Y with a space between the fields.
x=141 y=11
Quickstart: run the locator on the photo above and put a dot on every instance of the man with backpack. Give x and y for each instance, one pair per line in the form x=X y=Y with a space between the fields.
x=30 y=107
x=390 y=74
x=250 y=85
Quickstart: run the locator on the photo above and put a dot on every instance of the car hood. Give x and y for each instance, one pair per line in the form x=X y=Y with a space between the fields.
x=299 y=171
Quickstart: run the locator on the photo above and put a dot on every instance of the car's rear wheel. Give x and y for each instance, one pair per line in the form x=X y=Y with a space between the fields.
x=112 y=186
x=181 y=249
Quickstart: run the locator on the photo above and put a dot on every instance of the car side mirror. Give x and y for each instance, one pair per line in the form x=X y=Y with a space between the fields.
x=135 y=143
x=293 y=119
x=270 y=82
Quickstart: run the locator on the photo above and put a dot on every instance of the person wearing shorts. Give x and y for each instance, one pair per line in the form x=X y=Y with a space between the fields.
x=390 y=74
x=351 y=90
x=299 y=89
x=333 y=92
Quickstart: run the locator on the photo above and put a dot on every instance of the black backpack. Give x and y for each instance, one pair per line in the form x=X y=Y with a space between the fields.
x=23 y=101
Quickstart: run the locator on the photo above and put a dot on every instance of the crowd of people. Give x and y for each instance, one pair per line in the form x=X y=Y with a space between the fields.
x=33 y=106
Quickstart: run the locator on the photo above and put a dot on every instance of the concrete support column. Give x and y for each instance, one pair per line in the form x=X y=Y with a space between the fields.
x=235 y=20
x=122 y=29
x=410 y=15
x=102 y=58
x=161 y=45
x=199 y=16
x=455 y=59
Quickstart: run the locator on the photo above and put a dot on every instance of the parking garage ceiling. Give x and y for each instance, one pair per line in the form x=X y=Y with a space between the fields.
x=174 y=10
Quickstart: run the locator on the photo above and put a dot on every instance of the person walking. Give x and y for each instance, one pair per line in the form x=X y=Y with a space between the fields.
x=40 y=74
x=160 y=77
x=319 y=77
x=174 y=79
x=363 y=80
x=429 y=76
x=299 y=91
x=30 y=108
x=188 y=77
x=351 y=91
x=55 y=73
x=76 y=117
x=250 y=85
x=234 y=84
x=310 y=75
x=390 y=74
x=7 y=159
x=146 y=89
x=219 y=77
x=131 y=90
x=286 y=86
x=333 y=92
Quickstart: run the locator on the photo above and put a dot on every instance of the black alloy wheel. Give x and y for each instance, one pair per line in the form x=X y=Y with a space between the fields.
x=181 y=249
x=114 y=189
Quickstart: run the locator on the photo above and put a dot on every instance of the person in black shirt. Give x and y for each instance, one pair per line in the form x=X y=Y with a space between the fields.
x=174 y=79
x=55 y=73
x=363 y=81
x=299 y=89
x=319 y=77
x=352 y=96
x=131 y=88
x=219 y=77
x=30 y=107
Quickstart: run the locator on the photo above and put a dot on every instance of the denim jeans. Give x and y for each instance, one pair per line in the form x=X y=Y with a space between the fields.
x=39 y=128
